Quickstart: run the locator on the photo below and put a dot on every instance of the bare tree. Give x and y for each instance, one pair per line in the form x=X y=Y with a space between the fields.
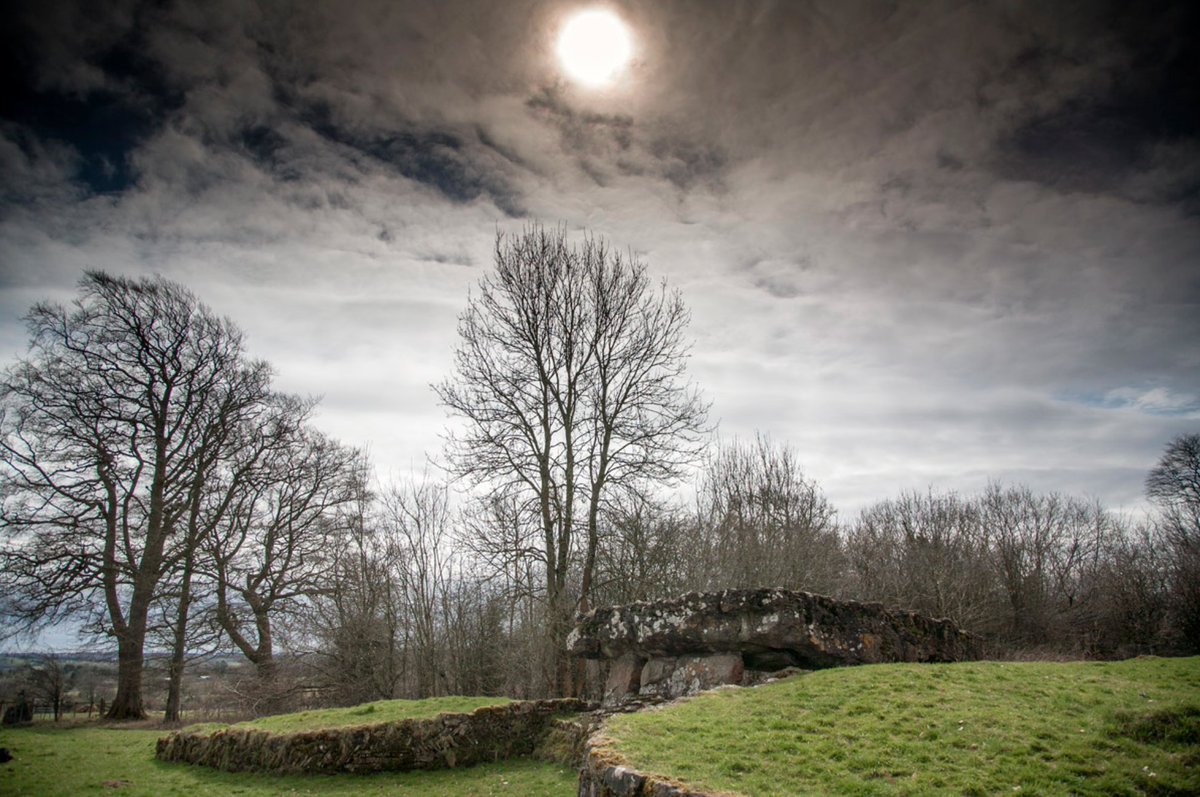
x=272 y=547
x=1174 y=484
x=647 y=550
x=233 y=464
x=358 y=619
x=503 y=541
x=416 y=520
x=1130 y=594
x=570 y=380
x=51 y=681
x=473 y=636
x=925 y=552
x=1044 y=546
x=106 y=430
x=764 y=523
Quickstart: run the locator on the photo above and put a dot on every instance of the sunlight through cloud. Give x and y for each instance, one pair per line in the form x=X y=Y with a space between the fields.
x=593 y=47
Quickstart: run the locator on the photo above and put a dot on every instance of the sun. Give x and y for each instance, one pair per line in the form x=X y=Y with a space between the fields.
x=593 y=46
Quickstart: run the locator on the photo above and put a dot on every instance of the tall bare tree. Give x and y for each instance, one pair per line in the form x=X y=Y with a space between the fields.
x=234 y=461
x=51 y=680
x=416 y=523
x=272 y=549
x=570 y=380
x=106 y=428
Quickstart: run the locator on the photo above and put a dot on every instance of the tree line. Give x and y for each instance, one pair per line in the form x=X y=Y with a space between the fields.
x=157 y=489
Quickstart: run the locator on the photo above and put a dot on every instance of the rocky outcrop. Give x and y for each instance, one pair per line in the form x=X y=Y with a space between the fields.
x=700 y=640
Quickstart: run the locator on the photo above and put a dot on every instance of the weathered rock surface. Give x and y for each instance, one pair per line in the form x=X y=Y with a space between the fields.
x=624 y=677
x=686 y=675
x=699 y=640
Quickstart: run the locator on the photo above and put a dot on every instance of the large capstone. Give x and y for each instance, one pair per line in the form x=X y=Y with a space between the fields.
x=700 y=640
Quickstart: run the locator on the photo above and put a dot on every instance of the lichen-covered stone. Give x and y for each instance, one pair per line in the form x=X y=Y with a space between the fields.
x=687 y=675
x=799 y=628
x=765 y=629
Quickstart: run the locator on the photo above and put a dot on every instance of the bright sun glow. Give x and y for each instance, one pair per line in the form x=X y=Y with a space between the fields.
x=593 y=46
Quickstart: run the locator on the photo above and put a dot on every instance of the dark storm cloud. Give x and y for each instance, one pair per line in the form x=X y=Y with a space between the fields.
x=602 y=143
x=441 y=159
x=1134 y=134
x=84 y=81
x=583 y=132
x=228 y=80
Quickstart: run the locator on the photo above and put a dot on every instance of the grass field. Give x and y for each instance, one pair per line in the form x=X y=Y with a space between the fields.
x=68 y=761
x=365 y=714
x=984 y=728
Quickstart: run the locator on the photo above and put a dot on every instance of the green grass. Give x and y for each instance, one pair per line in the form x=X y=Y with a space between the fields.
x=365 y=714
x=984 y=728
x=94 y=760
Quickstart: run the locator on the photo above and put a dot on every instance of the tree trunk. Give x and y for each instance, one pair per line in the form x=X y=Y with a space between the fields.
x=132 y=640
x=179 y=649
x=560 y=623
x=127 y=705
x=267 y=671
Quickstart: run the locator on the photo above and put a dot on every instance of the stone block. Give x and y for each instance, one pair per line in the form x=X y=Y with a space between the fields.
x=696 y=673
x=806 y=630
x=657 y=670
x=624 y=678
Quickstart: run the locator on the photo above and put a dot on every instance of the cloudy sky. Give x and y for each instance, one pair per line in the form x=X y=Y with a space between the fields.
x=926 y=243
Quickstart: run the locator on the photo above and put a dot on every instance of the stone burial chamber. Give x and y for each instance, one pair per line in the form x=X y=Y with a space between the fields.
x=670 y=648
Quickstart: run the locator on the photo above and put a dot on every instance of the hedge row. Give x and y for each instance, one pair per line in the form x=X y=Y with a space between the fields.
x=444 y=741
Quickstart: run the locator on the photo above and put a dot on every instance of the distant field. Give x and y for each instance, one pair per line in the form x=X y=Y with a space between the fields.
x=365 y=714
x=92 y=760
x=982 y=728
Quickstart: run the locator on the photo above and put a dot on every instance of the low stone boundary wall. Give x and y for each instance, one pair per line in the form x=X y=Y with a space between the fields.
x=605 y=774
x=444 y=741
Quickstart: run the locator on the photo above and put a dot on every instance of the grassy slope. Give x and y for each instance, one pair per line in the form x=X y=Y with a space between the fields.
x=980 y=728
x=92 y=760
x=365 y=714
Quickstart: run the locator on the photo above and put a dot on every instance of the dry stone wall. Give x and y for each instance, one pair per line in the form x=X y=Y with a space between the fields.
x=605 y=774
x=700 y=640
x=444 y=741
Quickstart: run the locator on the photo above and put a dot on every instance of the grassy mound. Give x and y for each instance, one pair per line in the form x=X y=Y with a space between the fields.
x=365 y=714
x=974 y=728
x=51 y=761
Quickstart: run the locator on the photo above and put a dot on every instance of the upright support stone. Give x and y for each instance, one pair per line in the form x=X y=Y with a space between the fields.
x=624 y=678
x=687 y=675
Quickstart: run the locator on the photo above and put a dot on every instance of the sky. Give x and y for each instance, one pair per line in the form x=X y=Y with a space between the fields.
x=927 y=244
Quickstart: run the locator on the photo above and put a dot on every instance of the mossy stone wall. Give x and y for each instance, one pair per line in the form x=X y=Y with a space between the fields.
x=444 y=741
